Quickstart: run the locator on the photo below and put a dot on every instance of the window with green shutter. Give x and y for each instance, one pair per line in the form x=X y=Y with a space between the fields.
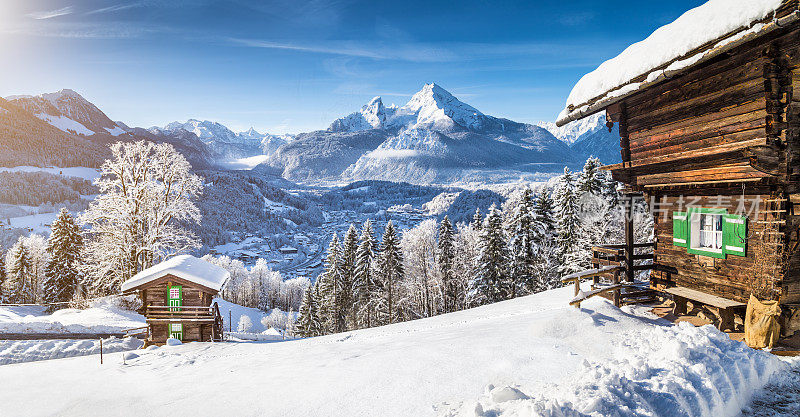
x=710 y=232
x=705 y=232
x=175 y=297
x=734 y=235
x=176 y=330
x=680 y=229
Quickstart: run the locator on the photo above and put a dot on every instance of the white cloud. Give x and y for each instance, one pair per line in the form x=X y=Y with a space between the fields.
x=117 y=7
x=51 y=13
x=383 y=51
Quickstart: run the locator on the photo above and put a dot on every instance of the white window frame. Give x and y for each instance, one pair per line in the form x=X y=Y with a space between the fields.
x=698 y=235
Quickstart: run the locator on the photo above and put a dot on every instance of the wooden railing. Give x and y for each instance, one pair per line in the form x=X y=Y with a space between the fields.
x=140 y=332
x=610 y=271
x=185 y=313
x=617 y=255
x=577 y=277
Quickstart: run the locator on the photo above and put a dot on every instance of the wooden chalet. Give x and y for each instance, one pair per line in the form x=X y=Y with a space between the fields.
x=177 y=299
x=710 y=137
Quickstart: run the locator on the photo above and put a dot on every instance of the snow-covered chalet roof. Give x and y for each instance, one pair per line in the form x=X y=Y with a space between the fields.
x=697 y=35
x=187 y=267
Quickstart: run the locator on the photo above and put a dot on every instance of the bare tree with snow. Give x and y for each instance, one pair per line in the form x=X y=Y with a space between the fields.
x=146 y=198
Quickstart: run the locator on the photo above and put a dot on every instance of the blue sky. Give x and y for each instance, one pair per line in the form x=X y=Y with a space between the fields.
x=295 y=65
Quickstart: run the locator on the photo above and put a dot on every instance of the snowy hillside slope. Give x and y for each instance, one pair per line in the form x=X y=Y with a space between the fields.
x=533 y=355
x=77 y=134
x=70 y=112
x=30 y=140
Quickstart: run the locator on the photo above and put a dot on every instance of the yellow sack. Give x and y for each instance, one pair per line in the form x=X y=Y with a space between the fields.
x=761 y=326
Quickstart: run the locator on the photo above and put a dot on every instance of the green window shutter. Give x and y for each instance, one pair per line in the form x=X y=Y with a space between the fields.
x=175 y=297
x=680 y=229
x=734 y=235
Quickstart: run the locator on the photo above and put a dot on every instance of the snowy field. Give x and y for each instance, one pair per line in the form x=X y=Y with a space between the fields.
x=39 y=223
x=86 y=173
x=104 y=316
x=529 y=356
x=17 y=351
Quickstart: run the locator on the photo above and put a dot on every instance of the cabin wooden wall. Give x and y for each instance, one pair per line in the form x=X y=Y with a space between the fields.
x=157 y=294
x=734 y=277
x=192 y=332
x=732 y=121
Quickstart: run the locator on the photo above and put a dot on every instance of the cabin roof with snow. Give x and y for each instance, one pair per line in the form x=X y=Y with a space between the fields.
x=186 y=267
x=698 y=35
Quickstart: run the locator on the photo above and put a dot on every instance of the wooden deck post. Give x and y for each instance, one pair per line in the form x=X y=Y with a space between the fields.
x=629 y=240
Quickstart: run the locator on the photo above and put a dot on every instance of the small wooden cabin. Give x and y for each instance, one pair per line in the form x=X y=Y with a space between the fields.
x=177 y=299
x=708 y=111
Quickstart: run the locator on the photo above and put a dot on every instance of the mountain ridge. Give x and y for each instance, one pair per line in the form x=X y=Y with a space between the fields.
x=434 y=137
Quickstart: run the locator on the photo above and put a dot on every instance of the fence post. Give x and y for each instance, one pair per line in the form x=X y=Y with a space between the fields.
x=101 y=351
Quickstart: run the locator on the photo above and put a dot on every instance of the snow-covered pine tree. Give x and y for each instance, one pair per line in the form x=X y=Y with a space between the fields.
x=477 y=219
x=609 y=189
x=389 y=273
x=493 y=283
x=18 y=285
x=445 y=258
x=140 y=217
x=349 y=249
x=522 y=233
x=567 y=221
x=543 y=218
x=64 y=244
x=590 y=180
x=308 y=322
x=364 y=285
x=330 y=288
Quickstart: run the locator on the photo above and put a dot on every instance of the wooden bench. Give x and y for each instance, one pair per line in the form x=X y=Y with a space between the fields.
x=725 y=307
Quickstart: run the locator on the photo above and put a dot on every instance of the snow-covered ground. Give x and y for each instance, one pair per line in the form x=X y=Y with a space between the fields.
x=104 y=316
x=529 y=356
x=37 y=223
x=86 y=173
x=17 y=351
x=233 y=314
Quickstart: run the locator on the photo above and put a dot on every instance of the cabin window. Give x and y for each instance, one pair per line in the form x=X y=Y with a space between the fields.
x=175 y=297
x=176 y=331
x=710 y=232
x=710 y=226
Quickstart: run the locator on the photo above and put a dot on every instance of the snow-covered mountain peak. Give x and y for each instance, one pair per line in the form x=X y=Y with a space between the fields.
x=63 y=94
x=575 y=131
x=371 y=116
x=436 y=108
x=206 y=130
